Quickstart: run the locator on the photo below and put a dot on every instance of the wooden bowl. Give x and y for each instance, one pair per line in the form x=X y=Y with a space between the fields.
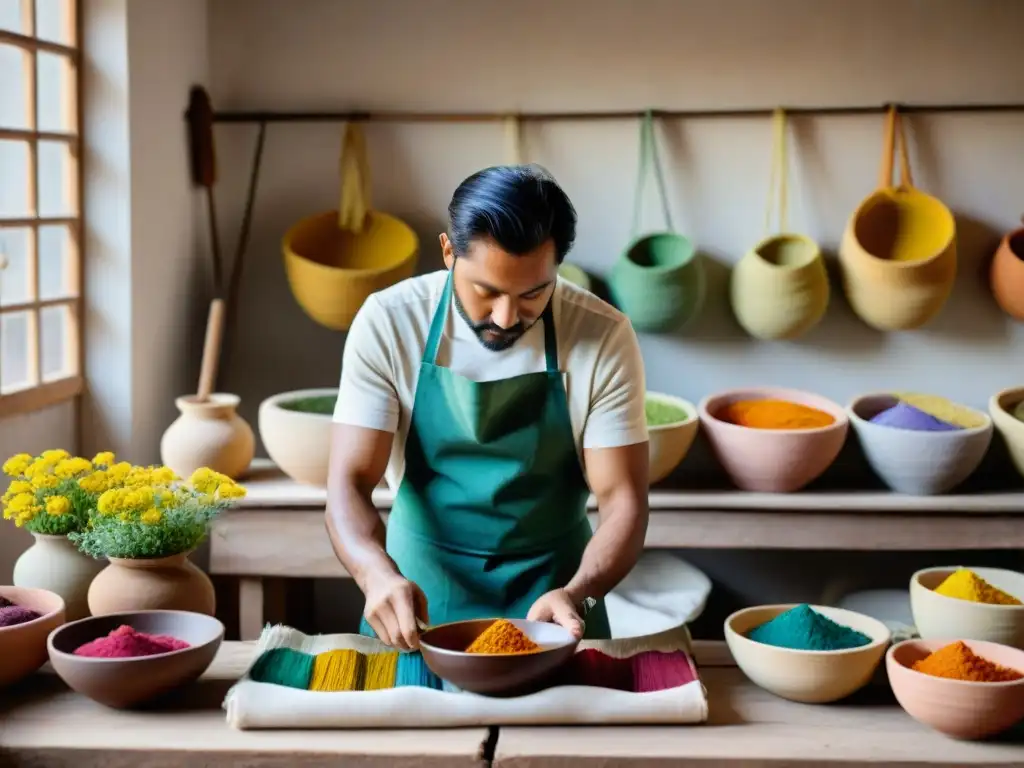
x=958 y=708
x=126 y=683
x=443 y=648
x=23 y=646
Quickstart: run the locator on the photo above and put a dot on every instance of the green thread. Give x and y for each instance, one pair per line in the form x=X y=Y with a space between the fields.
x=284 y=666
x=413 y=671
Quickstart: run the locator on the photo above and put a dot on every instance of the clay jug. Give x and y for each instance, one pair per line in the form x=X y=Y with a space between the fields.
x=898 y=253
x=55 y=564
x=208 y=434
x=1006 y=275
x=779 y=289
x=152 y=584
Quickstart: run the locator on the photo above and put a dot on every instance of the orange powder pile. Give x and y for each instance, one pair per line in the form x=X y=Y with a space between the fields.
x=503 y=637
x=959 y=662
x=774 y=414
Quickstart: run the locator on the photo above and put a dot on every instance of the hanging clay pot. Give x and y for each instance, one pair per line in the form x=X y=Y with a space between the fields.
x=1006 y=275
x=779 y=289
x=659 y=281
x=152 y=584
x=898 y=253
x=208 y=434
x=55 y=564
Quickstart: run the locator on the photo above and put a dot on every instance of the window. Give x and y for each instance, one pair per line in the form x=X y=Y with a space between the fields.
x=40 y=219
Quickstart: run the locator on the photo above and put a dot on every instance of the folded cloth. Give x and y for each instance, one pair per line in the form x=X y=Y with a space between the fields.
x=352 y=681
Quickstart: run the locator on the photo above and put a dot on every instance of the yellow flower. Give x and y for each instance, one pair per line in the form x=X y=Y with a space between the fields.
x=22 y=508
x=57 y=506
x=97 y=482
x=164 y=476
x=118 y=472
x=37 y=468
x=39 y=482
x=109 y=501
x=138 y=498
x=230 y=491
x=104 y=458
x=71 y=467
x=16 y=487
x=52 y=457
x=152 y=516
x=16 y=465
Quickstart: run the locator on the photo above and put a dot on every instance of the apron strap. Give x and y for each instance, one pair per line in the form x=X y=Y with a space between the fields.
x=441 y=314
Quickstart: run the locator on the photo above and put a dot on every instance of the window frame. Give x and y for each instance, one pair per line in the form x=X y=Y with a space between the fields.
x=39 y=393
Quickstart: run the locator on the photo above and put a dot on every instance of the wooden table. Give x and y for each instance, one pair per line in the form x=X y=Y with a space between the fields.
x=42 y=723
x=278 y=531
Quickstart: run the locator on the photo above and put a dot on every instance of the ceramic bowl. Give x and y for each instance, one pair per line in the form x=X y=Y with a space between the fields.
x=957 y=708
x=298 y=442
x=938 y=616
x=669 y=443
x=810 y=677
x=126 y=683
x=23 y=646
x=773 y=460
x=913 y=461
x=443 y=648
x=1000 y=408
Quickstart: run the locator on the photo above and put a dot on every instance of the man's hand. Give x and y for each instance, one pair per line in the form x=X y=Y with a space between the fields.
x=557 y=606
x=393 y=604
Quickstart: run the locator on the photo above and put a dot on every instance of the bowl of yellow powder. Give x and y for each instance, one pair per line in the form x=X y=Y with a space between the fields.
x=966 y=689
x=920 y=461
x=1007 y=411
x=671 y=425
x=773 y=439
x=969 y=603
x=295 y=429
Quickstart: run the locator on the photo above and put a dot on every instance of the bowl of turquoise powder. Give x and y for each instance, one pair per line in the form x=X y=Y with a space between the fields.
x=672 y=426
x=295 y=428
x=808 y=653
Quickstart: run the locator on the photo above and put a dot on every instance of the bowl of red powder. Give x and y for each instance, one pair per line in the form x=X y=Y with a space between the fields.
x=27 y=616
x=967 y=689
x=123 y=660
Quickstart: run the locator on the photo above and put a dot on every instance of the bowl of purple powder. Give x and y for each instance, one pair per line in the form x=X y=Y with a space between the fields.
x=27 y=616
x=808 y=653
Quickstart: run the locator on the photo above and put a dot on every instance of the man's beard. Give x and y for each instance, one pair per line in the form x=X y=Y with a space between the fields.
x=494 y=337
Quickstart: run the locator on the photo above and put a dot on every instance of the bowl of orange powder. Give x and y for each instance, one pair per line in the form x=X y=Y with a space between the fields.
x=496 y=657
x=967 y=689
x=773 y=439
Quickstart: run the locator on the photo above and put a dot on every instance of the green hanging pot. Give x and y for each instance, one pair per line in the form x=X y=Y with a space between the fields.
x=658 y=281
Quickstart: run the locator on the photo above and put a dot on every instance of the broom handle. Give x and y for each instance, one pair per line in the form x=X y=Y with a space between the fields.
x=211 y=349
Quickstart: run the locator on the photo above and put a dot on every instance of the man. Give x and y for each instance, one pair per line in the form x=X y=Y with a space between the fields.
x=491 y=393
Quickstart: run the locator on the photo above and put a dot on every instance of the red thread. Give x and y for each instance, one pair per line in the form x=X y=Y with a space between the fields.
x=594 y=668
x=657 y=671
x=125 y=642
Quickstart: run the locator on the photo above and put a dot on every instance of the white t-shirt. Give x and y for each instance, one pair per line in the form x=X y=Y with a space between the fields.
x=598 y=354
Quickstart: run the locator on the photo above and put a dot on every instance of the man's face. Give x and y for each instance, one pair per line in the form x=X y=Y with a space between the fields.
x=498 y=294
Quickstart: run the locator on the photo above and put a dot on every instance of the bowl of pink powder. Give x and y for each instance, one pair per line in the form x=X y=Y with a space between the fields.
x=123 y=660
x=27 y=616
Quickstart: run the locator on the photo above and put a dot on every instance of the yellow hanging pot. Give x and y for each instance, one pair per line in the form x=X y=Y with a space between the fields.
x=335 y=260
x=898 y=253
x=779 y=289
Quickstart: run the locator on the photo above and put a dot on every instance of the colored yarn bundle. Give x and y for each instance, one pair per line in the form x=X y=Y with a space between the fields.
x=964 y=584
x=958 y=662
x=503 y=637
x=774 y=414
x=943 y=409
x=125 y=642
x=11 y=613
x=905 y=416
x=804 y=629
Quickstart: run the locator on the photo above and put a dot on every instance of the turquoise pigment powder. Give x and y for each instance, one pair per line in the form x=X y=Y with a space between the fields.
x=804 y=629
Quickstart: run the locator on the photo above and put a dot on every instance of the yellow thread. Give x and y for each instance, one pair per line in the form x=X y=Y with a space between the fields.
x=381 y=669
x=341 y=670
x=778 y=193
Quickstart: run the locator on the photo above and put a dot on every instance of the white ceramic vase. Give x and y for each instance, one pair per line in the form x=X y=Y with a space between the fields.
x=208 y=434
x=54 y=563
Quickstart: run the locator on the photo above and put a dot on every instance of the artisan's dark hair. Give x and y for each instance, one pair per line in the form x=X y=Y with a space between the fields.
x=520 y=207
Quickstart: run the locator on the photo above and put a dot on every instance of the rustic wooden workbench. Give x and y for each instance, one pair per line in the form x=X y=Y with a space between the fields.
x=42 y=723
x=278 y=530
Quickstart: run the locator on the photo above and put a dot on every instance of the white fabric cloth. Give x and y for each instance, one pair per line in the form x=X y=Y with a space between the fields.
x=662 y=592
x=253 y=705
x=598 y=353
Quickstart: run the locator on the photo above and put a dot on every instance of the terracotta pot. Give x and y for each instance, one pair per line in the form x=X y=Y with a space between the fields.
x=298 y=442
x=208 y=434
x=1007 y=275
x=150 y=584
x=55 y=564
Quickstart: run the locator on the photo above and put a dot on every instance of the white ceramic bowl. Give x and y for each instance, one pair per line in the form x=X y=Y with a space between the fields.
x=669 y=443
x=1000 y=408
x=959 y=708
x=810 y=677
x=938 y=616
x=913 y=461
x=299 y=443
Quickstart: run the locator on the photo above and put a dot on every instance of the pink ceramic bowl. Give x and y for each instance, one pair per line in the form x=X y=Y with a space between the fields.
x=23 y=646
x=957 y=708
x=773 y=460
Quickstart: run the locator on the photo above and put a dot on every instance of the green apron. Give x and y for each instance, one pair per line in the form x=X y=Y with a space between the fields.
x=491 y=511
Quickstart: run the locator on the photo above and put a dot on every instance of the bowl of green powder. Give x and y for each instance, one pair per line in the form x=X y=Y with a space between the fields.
x=295 y=428
x=672 y=426
x=808 y=653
